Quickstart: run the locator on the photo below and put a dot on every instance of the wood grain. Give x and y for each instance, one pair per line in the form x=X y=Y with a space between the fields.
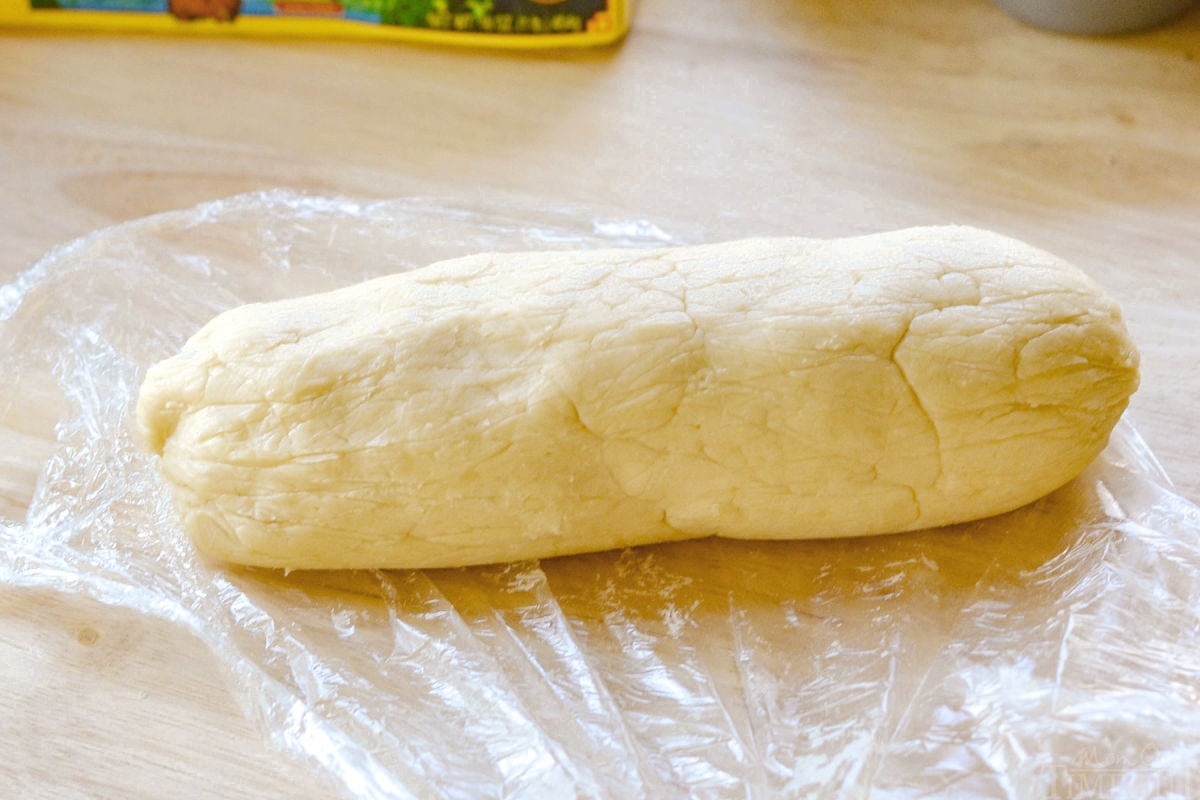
x=756 y=116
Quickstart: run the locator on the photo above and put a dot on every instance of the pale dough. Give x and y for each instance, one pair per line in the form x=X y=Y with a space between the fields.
x=509 y=406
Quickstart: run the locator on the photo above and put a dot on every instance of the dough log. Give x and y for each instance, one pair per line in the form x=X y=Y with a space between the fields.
x=511 y=406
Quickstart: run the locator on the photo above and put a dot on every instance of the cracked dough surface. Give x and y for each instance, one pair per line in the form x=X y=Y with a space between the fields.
x=509 y=406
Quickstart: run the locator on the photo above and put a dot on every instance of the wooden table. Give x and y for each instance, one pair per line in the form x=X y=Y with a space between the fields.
x=819 y=118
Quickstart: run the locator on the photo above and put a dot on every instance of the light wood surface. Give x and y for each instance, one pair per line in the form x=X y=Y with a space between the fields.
x=820 y=118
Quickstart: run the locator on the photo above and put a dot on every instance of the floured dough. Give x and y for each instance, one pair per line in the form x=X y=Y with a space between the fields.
x=509 y=406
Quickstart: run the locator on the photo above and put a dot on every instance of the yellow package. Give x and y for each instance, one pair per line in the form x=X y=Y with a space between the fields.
x=489 y=23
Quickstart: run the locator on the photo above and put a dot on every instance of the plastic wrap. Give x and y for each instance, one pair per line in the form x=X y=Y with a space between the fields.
x=1051 y=652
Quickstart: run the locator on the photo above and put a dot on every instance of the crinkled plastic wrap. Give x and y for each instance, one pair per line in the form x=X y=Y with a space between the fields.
x=1051 y=652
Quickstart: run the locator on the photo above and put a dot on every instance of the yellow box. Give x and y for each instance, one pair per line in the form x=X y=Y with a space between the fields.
x=486 y=23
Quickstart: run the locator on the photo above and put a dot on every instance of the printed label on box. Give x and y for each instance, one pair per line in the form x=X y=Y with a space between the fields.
x=512 y=20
